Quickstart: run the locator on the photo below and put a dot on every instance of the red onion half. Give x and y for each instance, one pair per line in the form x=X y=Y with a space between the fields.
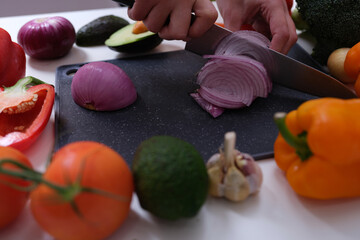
x=102 y=86
x=235 y=75
x=47 y=38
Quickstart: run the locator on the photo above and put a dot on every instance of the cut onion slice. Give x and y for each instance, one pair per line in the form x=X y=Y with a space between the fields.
x=215 y=111
x=233 y=81
x=235 y=75
x=248 y=43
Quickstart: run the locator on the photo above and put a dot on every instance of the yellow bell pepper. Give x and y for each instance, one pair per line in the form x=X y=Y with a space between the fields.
x=318 y=147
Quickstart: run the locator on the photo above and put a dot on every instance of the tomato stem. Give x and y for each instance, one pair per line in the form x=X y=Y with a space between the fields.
x=105 y=194
x=68 y=192
x=19 y=188
x=24 y=173
x=27 y=173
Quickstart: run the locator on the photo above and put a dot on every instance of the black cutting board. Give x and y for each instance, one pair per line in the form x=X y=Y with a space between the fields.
x=163 y=82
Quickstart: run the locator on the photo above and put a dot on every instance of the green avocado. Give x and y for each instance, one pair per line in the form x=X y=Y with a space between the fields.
x=170 y=177
x=125 y=41
x=97 y=31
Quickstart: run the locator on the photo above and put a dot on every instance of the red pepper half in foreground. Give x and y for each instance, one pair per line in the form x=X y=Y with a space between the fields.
x=25 y=109
x=12 y=60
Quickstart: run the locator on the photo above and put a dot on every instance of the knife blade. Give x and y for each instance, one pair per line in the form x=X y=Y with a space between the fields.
x=282 y=69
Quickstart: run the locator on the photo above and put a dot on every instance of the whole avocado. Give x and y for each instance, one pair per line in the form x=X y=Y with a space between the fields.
x=97 y=31
x=170 y=177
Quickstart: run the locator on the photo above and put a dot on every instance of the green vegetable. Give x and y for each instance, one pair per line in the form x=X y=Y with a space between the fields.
x=124 y=40
x=170 y=177
x=300 y=24
x=333 y=23
x=97 y=31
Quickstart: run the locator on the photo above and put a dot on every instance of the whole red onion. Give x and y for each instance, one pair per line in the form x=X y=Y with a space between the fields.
x=47 y=38
x=102 y=86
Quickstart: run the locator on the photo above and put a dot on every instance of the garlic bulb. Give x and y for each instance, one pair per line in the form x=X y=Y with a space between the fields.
x=233 y=175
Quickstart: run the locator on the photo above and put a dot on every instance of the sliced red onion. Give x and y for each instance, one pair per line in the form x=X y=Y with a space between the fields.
x=47 y=38
x=235 y=75
x=256 y=64
x=219 y=98
x=102 y=86
x=215 y=111
x=233 y=81
x=246 y=43
x=241 y=43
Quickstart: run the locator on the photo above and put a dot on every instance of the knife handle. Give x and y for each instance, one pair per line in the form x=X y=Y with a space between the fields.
x=128 y=3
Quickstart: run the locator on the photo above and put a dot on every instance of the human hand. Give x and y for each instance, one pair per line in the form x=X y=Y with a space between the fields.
x=269 y=17
x=171 y=19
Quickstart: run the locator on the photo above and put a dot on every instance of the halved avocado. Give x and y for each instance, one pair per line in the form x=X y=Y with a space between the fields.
x=125 y=41
x=97 y=31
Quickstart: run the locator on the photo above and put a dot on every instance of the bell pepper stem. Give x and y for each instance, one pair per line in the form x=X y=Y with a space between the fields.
x=298 y=142
x=23 y=84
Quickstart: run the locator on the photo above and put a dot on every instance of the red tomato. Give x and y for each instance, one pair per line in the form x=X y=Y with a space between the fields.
x=84 y=215
x=12 y=201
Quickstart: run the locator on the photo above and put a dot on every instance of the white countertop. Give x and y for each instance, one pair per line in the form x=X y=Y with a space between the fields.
x=276 y=212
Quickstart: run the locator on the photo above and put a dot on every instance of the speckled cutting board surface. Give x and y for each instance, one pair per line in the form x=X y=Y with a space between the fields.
x=164 y=107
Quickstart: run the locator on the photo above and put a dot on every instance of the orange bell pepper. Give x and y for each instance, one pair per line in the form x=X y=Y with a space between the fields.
x=352 y=61
x=352 y=66
x=318 y=147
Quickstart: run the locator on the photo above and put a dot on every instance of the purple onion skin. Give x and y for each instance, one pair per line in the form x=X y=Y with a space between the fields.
x=47 y=38
x=102 y=86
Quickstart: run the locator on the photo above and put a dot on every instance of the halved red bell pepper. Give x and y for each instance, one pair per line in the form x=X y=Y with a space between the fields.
x=25 y=109
x=12 y=60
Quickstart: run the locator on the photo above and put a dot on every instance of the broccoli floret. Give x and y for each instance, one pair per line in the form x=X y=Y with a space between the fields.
x=300 y=24
x=333 y=23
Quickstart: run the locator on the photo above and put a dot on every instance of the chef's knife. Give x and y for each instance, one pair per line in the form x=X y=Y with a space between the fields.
x=282 y=69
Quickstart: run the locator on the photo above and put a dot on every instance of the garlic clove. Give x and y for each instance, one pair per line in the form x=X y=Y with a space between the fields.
x=216 y=175
x=236 y=185
x=252 y=171
x=214 y=160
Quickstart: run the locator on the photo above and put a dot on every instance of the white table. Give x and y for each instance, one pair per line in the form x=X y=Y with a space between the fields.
x=275 y=213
